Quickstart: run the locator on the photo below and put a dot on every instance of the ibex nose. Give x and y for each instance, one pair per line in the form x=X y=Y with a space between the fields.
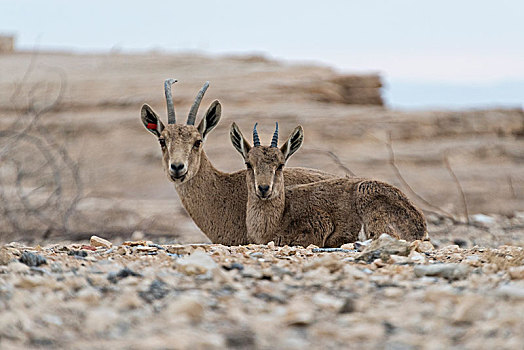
x=178 y=169
x=263 y=189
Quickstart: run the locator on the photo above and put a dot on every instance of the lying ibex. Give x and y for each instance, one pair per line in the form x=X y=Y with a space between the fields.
x=216 y=201
x=326 y=213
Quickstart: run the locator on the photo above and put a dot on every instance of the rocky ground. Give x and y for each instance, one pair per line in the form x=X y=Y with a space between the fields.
x=385 y=294
x=76 y=161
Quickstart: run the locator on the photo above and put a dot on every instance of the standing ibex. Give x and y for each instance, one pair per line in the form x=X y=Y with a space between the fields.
x=216 y=201
x=326 y=213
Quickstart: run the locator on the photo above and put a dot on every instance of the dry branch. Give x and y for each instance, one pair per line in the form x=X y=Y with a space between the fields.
x=459 y=188
x=335 y=158
x=55 y=185
x=393 y=164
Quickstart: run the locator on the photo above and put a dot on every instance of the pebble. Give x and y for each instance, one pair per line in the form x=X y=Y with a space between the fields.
x=96 y=241
x=511 y=290
x=329 y=261
x=137 y=236
x=331 y=250
x=196 y=264
x=516 y=272
x=360 y=246
x=348 y=306
x=482 y=219
x=125 y=272
x=448 y=271
x=416 y=257
x=18 y=267
x=5 y=256
x=422 y=246
x=299 y=312
x=468 y=310
x=383 y=248
x=31 y=259
x=157 y=290
x=189 y=306
x=233 y=266
x=325 y=301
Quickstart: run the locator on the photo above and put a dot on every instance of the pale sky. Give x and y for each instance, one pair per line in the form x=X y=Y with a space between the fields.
x=464 y=44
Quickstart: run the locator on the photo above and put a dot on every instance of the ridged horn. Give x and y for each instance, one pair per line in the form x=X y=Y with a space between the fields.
x=194 y=108
x=169 y=101
x=274 y=141
x=256 y=139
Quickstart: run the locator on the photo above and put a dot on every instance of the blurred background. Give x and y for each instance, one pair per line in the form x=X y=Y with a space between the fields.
x=425 y=96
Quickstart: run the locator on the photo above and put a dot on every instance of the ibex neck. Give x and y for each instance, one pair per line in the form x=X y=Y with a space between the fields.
x=214 y=201
x=264 y=217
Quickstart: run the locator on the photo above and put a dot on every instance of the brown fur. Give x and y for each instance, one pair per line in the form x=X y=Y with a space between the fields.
x=326 y=213
x=216 y=201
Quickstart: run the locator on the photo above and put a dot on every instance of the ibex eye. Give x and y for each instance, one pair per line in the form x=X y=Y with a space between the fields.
x=248 y=165
x=197 y=143
x=162 y=143
x=280 y=167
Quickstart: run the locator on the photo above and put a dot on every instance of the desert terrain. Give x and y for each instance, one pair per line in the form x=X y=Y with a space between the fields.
x=77 y=162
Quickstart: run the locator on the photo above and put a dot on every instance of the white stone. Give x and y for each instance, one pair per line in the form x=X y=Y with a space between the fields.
x=96 y=241
x=196 y=264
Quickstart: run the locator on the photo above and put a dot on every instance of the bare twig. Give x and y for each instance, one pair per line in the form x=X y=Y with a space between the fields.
x=34 y=114
x=333 y=156
x=55 y=183
x=459 y=187
x=512 y=191
x=393 y=164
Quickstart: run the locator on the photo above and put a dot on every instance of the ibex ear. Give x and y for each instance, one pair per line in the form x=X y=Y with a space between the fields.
x=211 y=119
x=238 y=141
x=151 y=120
x=293 y=143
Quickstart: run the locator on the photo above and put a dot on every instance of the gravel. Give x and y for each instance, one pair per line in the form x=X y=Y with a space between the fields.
x=262 y=296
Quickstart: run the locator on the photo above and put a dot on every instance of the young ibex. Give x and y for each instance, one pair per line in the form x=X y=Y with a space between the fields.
x=216 y=201
x=326 y=213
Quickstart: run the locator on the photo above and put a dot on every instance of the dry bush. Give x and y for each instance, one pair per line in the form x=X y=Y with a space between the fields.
x=40 y=183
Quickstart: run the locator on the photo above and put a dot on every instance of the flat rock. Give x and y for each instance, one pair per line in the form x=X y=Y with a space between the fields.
x=383 y=247
x=32 y=259
x=448 y=271
x=516 y=272
x=96 y=241
x=196 y=264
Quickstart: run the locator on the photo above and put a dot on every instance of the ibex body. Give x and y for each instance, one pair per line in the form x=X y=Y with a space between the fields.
x=326 y=213
x=216 y=201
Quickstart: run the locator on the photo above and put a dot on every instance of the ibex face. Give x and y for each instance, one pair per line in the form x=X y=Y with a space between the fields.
x=181 y=145
x=265 y=164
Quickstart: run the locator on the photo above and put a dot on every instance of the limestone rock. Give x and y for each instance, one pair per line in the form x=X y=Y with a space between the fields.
x=196 y=264
x=516 y=273
x=96 y=241
x=189 y=306
x=383 y=247
x=5 y=256
x=448 y=271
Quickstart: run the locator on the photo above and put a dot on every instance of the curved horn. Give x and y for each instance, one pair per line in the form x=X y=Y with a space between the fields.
x=169 y=100
x=194 y=108
x=256 y=139
x=274 y=141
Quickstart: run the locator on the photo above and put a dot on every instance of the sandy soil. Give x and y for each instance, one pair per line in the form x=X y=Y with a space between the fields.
x=124 y=188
